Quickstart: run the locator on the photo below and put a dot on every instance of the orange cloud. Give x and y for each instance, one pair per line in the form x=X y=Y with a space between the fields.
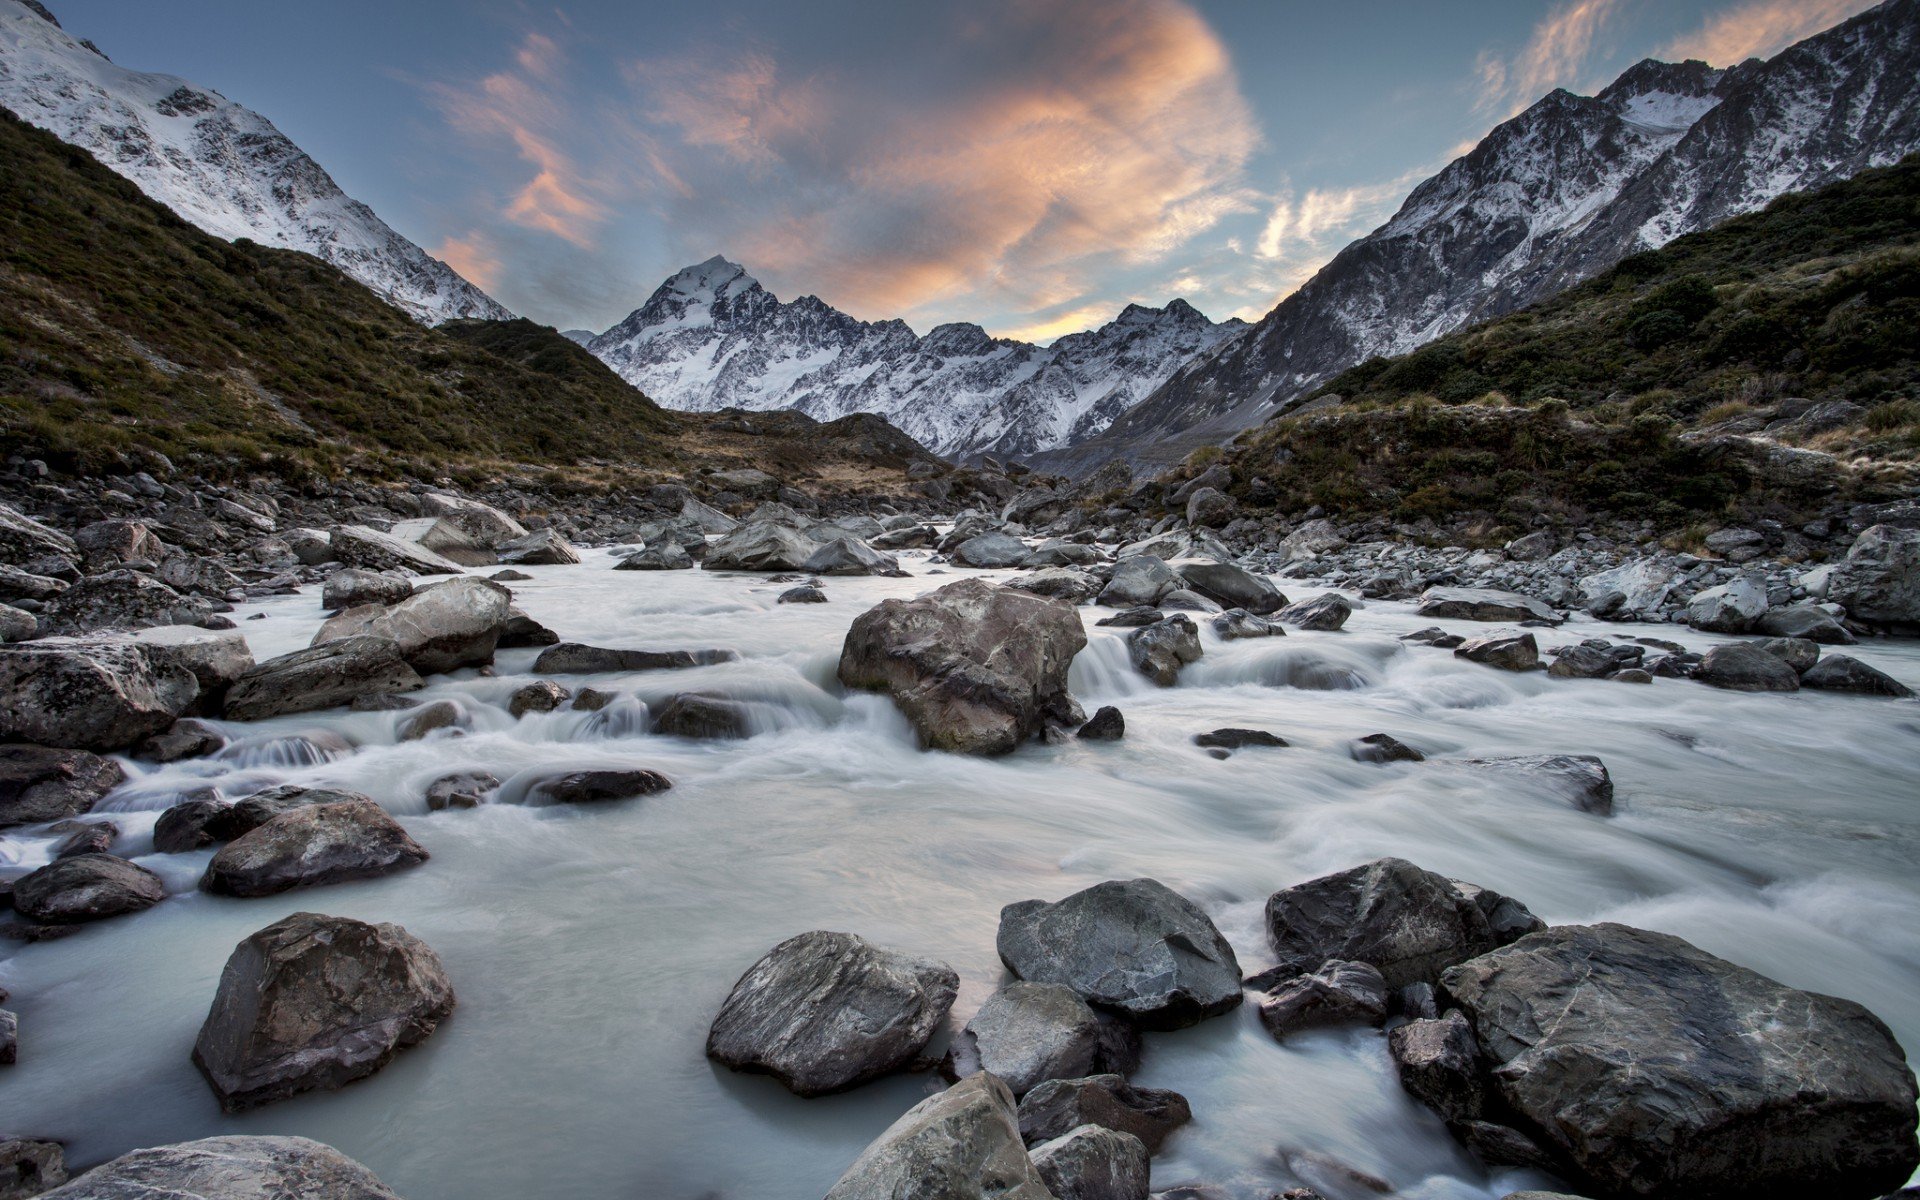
x=473 y=257
x=1760 y=28
x=1553 y=57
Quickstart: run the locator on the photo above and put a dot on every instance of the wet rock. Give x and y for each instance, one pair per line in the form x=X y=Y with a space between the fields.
x=442 y=627
x=850 y=556
x=662 y=556
x=360 y=546
x=92 y=837
x=976 y=669
x=310 y=846
x=1185 y=600
x=1325 y=612
x=1062 y=583
x=1059 y=1106
x=541 y=548
x=992 y=549
x=1798 y=653
x=1509 y=652
x=483 y=523
x=1731 y=607
x=1134 y=947
x=593 y=787
x=1746 y=668
x=1582 y=778
x=1230 y=586
x=1483 y=604
x=761 y=546
x=465 y=789
x=1237 y=739
x=30 y=1166
x=1138 y=582
x=1059 y=552
x=1804 y=621
x=88 y=694
x=322 y=677
x=1134 y=618
x=193 y=823
x=1028 y=1033
x=121 y=599
x=39 y=783
x=253 y=811
x=1407 y=923
x=229 y=1168
x=700 y=715
x=1158 y=651
x=823 y=1012
x=1382 y=748
x=23 y=539
x=1093 y=1163
x=1653 y=1068
x=960 y=1144
x=431 y=719
x=1238 y=623
x=1631 y=675
x=215 y=658
x=1338 y=993
x=806 y=593
x=1594 y=659
x=542 y=696
x=1841 y=673
x=509 y=576
x=572 y=658
x=1880 y=581
x=314 y=1002
x=1631 y=591
x=351 y=587
x=1107 y=725
x=90 y=887
x=1439 y=1065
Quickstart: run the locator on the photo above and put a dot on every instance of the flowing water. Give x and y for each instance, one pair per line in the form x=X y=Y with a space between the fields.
x=590 y=947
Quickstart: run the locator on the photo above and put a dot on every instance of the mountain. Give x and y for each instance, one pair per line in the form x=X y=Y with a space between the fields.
x=1562 y=191
x=712 y=337
x=218 y=165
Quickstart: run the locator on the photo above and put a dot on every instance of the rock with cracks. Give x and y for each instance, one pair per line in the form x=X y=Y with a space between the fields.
x=89 y=693
x=322 y=677
x=313 y=845
x=89 y=887
x=233 y=1167
x=442 y=627
x=1060 y=1106
x=1094 y=1163
x=961 y=1144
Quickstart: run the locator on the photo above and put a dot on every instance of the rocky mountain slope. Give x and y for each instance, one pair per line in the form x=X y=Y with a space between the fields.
x=218 y=165
x=712 y=337
x=1549 y=198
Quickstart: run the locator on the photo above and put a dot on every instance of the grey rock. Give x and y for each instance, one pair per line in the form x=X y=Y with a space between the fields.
x=1028 y=1033
x=1746 y=668
x=1382 y=748
x=1841 y=673
x=40 y=783
x=482 y=522
x=1531 y=547
x=446 y=539
x=1439 y=1064
x=360 y=546
x=1107 y=725
x=442 y=627
x=1237 y=739
x=1138 y=581
x=193 y=823
x=761 y=546
x=541 y=696
x=30 y=1166
x=806 y=593
x=92 y=837
x=90 y=887
x=432 y=718
x=1804 y=621
x=960 y=1144
x=229 y=1168
x=88 y=693
x=573 y=658
x=823 y=1012
x=1134 y=947
x=23 y=539
x=1338 y=993
x=661 y=556
x=120 y=599
x=17 y=625
x=313 y=845
x=351 y=587
x=463 y=789
x=1880 y=581
x=1231 y=586
x=699 y=715
x=1798 y=653
x=1582 y=778
x=594 y=787
x=1062 y=583
x=1158 y=651
x=849 y=556
x=1483 y=604
x=1060 y=1106
x=316 y=1002
x=322 y=677
x=1509 y=652
x=1094 y=1163
x=216 y=658
x=992 y=549
x=541 y=548
x=1325 y=612
x=1238 y=623
x=1732 y=607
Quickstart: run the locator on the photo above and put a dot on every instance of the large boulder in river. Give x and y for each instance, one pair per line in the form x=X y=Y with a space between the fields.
x=233 y=1167
x=991 y=549
x=313 y=1002
x=541 y=548
x=1842 y=673
x=1059 y=1106
x=442 y=627
x=216 y=658
x=1093 y=1162
x=1744 y=667
x=975 y=668
x=1230 y=586
x=823 y=1012
x=1483 y=604
x=312 y=845
x=1732 y=607
x=1323 y=613
x=351 y=587
x=1582 y=778
x=1138 y=581
x=1407 y=923
x=360 y=546
x=960 y=1144
x=1159 y=650
x=1028 y=1033
x=1804 y=621
x=40 y=783
x=760 y=546
x=1880 y=580
x=849 y=555
x=481 y=522
x=322 y=677
x=87 y=887
x=1655 y=1069
x=447 y=540
x=1135 y=947
x=121 y=599
x=89 y=693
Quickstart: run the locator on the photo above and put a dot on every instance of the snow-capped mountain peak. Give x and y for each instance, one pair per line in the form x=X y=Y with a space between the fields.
x=217 y=164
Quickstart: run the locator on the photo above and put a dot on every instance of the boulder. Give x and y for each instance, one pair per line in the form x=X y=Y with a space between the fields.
x=199 y=821
x=1062 y=583
x=23 y=539
x=849 y=556
x=447 y=540
x=1531 y=547
x=975 y=668
x=313 y=845
x=17 y=585
x=30 y=1166
x=1060 y=1106
x=1483 y=604
x=660 y=556
x=1325 y=612
x=699 y=715
x=360 y=546
x=483 y=523
x=1880 y=580
x=1338 y=993
x=315 y=1002
x=1732 y=607
x=442 y=627
x=89 y=887
x=1237 y=739
x=1158 y=651
x=1798 y=653
x=216 y=658
x=1107 y=725
x=1382 y=748
x=322 y=677
x=1653 y=1068
x=1230 y=586
x=990 y=550
x=1238 y=623
x=593 y=787
x=1509 y=652
x=1841 y=673
x=573 y=658
x=1804 y=621
x=541 y=548
x=1313 y=538
x=1582 y=778
x=90 y=837
x=960 y=1144
x=1059 y=552
x=541 y=696
x=1407 y=923
x=432 y=718
x=1747 y=668
x=351 y=587
x=89 y=693
x=823 y=1012
x=17 y=625
x=42 y=783
x=760 y=546
x=463 y=789
x=806 y=593
x=120 y=599
x=1028 y=1033
x=1439 y=1064
x=706 y=518
x=1134 y=947
x=1633 y=590
x=1138 y=581
x=107 y=544
x=232 y=1167
x=1093 y=1163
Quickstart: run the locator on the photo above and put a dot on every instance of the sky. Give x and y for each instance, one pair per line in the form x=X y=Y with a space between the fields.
x=1031 y=166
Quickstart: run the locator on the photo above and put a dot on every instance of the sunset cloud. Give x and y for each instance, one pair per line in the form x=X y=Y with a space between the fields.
x=473 y=256
x=1760 y=29
x=1555 y=55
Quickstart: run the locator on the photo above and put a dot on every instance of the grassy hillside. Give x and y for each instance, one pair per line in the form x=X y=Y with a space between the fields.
x=1607 y=398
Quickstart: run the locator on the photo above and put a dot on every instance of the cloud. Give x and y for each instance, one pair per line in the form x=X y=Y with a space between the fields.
x=1760 y=28
x=473 y=256
x=1304 y=230
x=1054 y=140
x=1553 y=57
x=1084 y=316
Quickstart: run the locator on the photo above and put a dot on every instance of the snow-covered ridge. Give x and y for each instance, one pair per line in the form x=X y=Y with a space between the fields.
x=220 y=166
x=712 y=337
